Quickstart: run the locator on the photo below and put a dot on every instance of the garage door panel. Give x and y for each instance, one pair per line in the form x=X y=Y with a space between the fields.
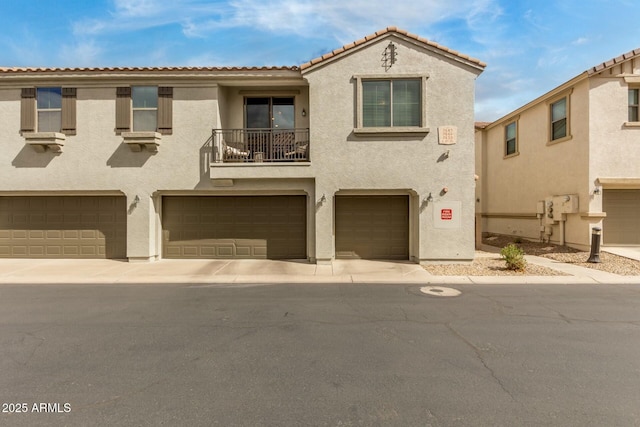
x=372 y=227
x=221 y=250
x=622 y=223
x=63 y=226
x=235 y=226
x=34 y=250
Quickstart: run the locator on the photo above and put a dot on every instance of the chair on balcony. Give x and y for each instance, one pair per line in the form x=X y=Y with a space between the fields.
x=281 y=144
x=233 y=153
x=299 y=151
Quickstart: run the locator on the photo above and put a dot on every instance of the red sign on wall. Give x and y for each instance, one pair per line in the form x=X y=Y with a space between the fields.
x=446 y=214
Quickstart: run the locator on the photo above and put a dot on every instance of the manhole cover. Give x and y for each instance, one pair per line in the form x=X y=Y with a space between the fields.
x=439 y=291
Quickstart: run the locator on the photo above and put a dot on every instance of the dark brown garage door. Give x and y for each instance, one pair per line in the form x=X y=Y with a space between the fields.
x=63 y=227
x=622 y=223
x=372 y=227
x=272 y=227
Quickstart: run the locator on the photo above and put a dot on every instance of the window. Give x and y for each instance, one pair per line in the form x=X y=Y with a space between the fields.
x=391 y=103
x=633 y=105
x=48 y=109
x=144 y=109
x=559 y=119
x=510 y=139
x=265 y=113
x=144 y=101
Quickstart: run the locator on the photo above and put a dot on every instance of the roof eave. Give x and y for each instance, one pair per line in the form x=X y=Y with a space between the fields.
x=387 y=32
x=553 y=92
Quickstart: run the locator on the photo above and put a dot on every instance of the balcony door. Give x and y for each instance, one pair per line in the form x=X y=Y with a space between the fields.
x=270 y=124
x=269 y=113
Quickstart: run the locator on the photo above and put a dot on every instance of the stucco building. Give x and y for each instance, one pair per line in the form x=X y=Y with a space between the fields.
x=366 y=152
x=566 y=162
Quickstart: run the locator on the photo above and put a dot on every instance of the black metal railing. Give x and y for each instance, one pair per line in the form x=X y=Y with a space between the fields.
x=260 y=145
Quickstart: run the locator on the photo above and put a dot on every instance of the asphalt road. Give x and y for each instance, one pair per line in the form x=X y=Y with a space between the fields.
x=319 y=355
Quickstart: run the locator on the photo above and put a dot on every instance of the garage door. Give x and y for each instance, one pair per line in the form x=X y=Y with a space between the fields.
x=622 y=223
x=372 y=227
x=272 y=227
x=63 y=227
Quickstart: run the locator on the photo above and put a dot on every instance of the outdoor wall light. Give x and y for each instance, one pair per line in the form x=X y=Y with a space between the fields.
x=136 y=200
x=323 y=199
x=428 y=199
x=596 y=191
x=304 y=113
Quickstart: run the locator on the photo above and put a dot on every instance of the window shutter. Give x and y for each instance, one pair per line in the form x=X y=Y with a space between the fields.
x=69 y=110
x=165 y=110
x=28 y=110
x=123 y=110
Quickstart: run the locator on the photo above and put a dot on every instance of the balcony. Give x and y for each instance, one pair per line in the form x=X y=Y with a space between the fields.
x=260 y=145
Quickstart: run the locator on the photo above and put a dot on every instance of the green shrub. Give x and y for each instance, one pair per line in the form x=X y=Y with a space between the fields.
x=514 y=257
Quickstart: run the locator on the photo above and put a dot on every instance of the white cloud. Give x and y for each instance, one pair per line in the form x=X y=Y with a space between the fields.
x=85 y=53
x=345 y=20
x=580 y=41
x=137 y=8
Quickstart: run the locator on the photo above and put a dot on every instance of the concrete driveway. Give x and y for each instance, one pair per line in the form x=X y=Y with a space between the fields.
x=100 y=271
x=632 y=252
x=208 y=271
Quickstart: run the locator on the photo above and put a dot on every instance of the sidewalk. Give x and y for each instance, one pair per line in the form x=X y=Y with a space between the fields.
x=197 y=271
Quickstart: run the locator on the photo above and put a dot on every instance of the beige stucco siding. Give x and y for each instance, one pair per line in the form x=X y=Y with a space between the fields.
x=343 y=160
x=402 y=163
x=512 y=186
x=615 y=148
x=97 y=160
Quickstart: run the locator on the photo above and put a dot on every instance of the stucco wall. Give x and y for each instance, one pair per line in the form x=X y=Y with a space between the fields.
x=409 y=164
x=96 y=159
x=512 y=186
x=615 y=148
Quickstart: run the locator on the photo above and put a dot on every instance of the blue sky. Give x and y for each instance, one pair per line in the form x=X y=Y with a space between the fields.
x=530 y=47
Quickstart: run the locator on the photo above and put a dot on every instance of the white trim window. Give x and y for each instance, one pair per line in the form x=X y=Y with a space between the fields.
x=49 y=109
x=391 y=103
x=511 y=139
x=633 y=105
x=559 y=119
x=144 y=101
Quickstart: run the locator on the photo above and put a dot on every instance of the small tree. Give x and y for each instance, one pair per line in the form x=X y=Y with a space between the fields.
x=514 y=257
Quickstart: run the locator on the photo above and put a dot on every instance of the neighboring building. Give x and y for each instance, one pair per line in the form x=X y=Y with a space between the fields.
x=366 y=152
x=566 y=162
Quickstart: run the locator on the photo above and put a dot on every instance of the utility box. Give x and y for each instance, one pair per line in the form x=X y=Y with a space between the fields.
x=550 y=216
x=565 y=204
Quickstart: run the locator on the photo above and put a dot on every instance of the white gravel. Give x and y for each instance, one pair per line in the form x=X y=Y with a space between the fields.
x=494 y=265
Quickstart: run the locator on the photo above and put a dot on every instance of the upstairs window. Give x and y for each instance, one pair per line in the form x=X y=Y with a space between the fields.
x=633 y=105
x=391 y=103
x=144 y=109
x=559 y=119
x=144 y=101
x=48 y=109
x=510 y=139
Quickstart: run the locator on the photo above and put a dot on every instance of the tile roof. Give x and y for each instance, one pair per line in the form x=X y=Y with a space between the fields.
x=612 y=62
x=386 y=31
x=16 y=70
x=29 y=70
x=482 y=125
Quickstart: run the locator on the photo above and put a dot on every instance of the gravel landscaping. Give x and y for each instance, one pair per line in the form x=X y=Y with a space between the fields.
x=494 y=265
